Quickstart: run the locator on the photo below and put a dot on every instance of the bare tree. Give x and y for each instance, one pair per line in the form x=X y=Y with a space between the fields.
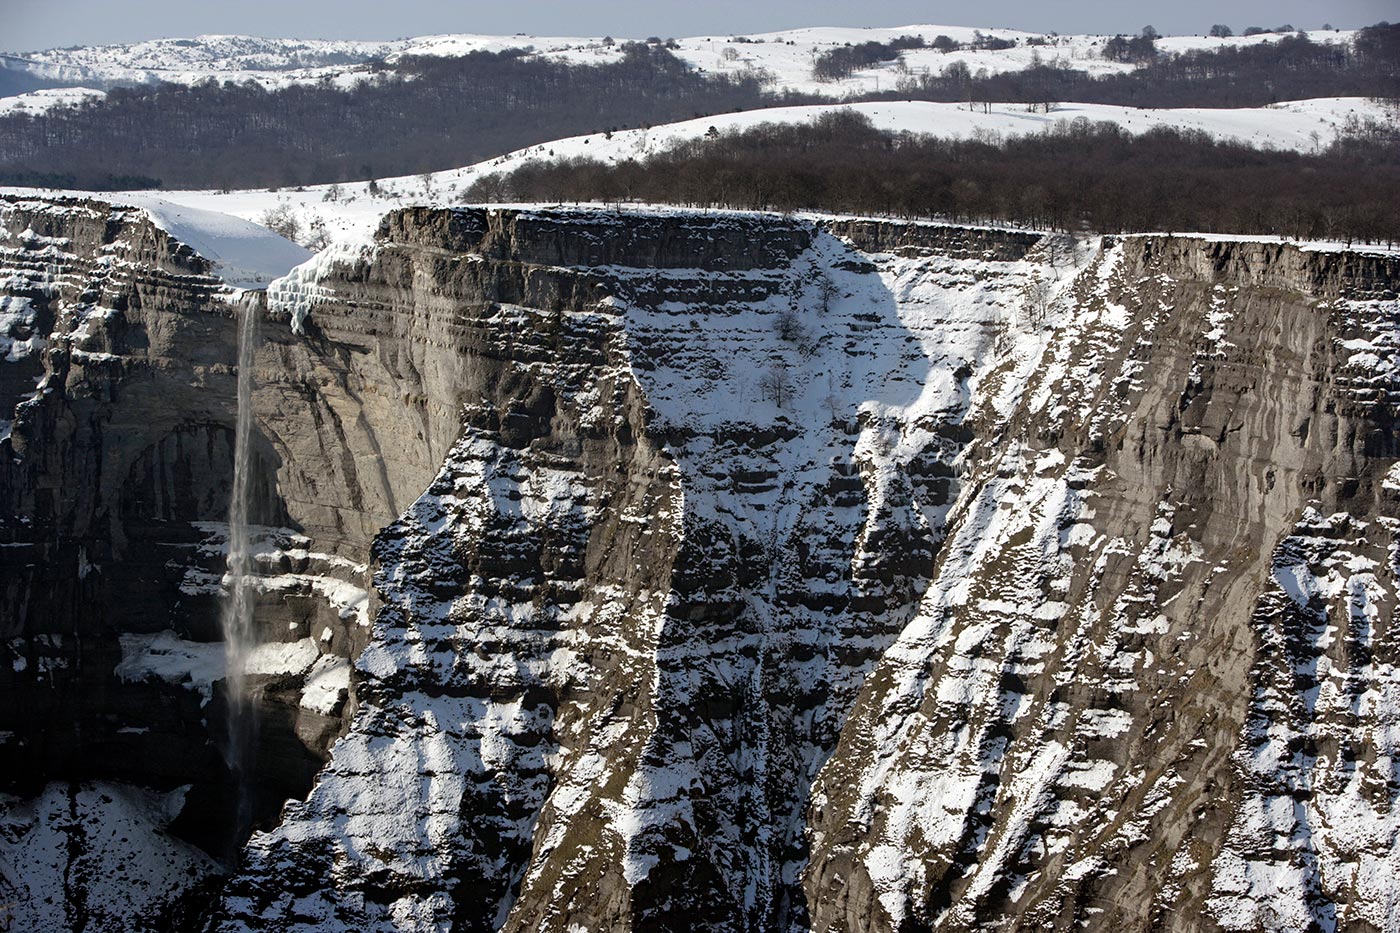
x=776 y=384
x=317 y=237
x=1037 y=300
x=832 y=402
x=826 y=289
x=789 y=326
x=1003 y=337
x=282 y=220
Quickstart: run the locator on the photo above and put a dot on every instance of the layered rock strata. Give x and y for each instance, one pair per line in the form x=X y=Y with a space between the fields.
x=757 y=573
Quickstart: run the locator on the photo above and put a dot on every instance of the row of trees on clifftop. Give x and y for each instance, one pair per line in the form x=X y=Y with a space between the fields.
x=1078 y=175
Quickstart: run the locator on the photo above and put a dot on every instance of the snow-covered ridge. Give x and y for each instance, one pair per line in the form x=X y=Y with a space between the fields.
x=786 y=55
x=270 y=62
x=127 y=866
x=217 y=53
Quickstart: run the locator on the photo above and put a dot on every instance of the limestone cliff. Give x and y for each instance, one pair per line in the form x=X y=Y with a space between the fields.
x=729 y=571
x=1140 y=692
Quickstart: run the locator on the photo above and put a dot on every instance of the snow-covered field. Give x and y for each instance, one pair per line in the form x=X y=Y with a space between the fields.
x=41 y=101
x=787 y=56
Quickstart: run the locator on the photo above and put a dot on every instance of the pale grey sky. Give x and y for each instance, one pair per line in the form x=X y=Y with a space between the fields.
x=27 y=25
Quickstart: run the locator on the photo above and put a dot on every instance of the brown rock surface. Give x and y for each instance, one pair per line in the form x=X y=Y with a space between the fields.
x=733 y=571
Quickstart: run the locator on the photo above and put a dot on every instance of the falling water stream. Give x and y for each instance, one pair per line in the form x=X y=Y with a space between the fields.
x=236 y=617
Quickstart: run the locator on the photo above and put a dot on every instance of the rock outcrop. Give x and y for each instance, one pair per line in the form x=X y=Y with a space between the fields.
x=729 y=571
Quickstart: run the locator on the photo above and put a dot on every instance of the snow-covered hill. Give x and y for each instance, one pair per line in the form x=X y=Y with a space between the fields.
x=190 y=61
x=217 y=53
x=350 y=211
x=788 y=56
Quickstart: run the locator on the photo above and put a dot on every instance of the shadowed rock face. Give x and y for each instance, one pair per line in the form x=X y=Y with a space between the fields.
x=728 y=571
x=118 y=415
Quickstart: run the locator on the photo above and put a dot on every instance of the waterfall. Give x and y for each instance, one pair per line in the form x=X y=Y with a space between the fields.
x=236 y=617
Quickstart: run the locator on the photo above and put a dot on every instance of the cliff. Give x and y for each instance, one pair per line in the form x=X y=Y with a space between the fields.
x=728 y=571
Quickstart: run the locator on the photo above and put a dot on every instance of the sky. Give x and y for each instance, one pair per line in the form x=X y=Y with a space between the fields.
x=27 y=25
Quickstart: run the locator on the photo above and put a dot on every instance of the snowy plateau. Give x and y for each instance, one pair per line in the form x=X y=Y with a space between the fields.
x=787 y=55
x=641 y=568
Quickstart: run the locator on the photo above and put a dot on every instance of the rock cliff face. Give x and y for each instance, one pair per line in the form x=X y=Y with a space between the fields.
x=117 y=397
x=728 y=572
x=1140 y=691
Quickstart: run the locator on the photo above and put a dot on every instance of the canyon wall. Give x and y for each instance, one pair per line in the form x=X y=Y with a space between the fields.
x=729 y=571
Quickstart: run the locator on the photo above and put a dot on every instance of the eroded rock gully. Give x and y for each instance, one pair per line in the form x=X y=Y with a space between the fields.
x=729 y=572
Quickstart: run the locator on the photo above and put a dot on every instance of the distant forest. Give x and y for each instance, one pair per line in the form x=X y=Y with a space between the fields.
x=428 y=113
x=423 y=114
x=1077 y=176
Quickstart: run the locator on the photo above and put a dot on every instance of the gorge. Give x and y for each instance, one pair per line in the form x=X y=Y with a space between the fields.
x=655 y=569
